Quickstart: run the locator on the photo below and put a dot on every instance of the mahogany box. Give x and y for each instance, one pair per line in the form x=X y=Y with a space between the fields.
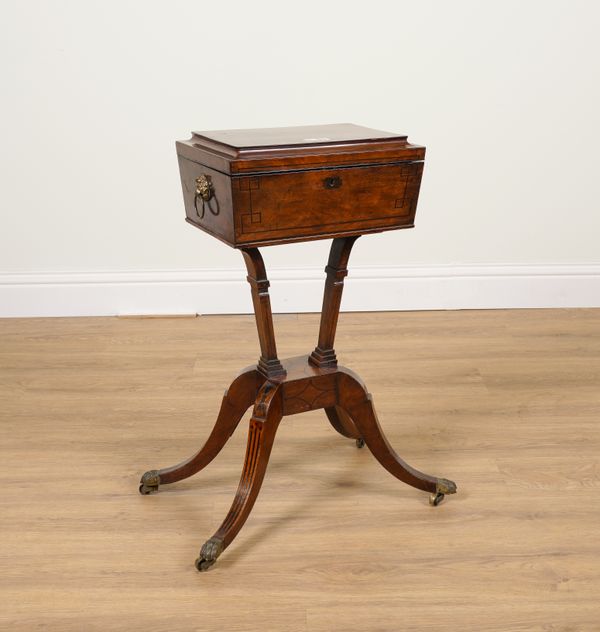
x=259 y=187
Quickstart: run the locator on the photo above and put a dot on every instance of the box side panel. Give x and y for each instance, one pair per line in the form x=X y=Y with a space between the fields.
x=215 y=216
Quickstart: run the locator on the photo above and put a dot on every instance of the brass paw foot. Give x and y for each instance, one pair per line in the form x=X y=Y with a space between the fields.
x=360 y=443
x=209 y=553
x=443 y=487
x=150 y=482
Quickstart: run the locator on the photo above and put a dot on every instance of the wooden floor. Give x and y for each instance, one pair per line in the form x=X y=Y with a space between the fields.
x=506 y=403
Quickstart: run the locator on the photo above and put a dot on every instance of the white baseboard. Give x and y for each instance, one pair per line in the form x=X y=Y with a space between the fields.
x=299 y=290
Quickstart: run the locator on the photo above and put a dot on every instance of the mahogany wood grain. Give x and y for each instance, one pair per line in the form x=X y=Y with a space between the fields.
x=299 y=137
x=217 y=220
x=271 y=207
x=242 y=152
x=342 y=422
x=276 y=186
x=324 y=353
x=357 y=402
x=261 y=433
x=336 y=270
x=237 y=399
x=268 y=363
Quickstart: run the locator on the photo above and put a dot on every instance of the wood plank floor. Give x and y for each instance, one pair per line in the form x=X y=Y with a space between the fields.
x=506 y=403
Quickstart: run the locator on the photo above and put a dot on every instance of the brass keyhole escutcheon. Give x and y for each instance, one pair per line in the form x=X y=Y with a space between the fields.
x=204 y=187
x=334 y=182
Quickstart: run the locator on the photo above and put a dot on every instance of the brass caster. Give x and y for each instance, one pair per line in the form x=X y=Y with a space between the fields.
x=436 y=499
x=360 y=443
x=150 y=482
x=203 y=565
x=209 y=553
x=442 y=487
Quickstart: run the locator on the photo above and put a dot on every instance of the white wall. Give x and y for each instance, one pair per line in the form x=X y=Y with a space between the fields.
x=505 y=95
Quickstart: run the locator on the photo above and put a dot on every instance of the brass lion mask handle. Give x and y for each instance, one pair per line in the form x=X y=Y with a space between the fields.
x=204 y=191
x=204 y=187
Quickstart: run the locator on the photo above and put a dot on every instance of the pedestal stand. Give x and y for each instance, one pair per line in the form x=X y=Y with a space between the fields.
x=296 y=385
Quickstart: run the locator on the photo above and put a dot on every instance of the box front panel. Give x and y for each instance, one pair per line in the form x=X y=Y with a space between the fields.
x=295 y=205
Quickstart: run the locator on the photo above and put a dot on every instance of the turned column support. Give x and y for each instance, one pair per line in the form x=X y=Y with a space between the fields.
x=268 y=363
x=336 y=269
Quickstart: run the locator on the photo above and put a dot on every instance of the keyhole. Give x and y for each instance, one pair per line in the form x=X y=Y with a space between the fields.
x=333 y=182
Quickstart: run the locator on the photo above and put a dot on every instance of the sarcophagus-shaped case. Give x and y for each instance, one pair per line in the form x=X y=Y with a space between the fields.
x=261 y=187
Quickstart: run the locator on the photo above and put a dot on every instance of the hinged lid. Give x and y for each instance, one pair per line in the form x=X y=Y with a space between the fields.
x=248 y=151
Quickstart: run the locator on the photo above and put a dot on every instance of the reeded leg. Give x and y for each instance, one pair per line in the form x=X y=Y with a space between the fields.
x=263 y=425
x=340 y=420
x=358 y=403
x=236 y=400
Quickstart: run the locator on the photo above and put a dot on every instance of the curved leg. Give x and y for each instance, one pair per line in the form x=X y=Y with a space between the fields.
x=358 y=403
x=236 y=400
x=263 y=425
x=341 y=422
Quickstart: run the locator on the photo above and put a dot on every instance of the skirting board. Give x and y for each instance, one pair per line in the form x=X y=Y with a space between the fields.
x=299 y=290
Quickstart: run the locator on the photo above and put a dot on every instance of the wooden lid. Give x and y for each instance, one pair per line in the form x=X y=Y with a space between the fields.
x=246 y=151
x=285 y=137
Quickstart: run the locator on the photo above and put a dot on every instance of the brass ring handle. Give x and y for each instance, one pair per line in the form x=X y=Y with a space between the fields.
x=204 y=191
